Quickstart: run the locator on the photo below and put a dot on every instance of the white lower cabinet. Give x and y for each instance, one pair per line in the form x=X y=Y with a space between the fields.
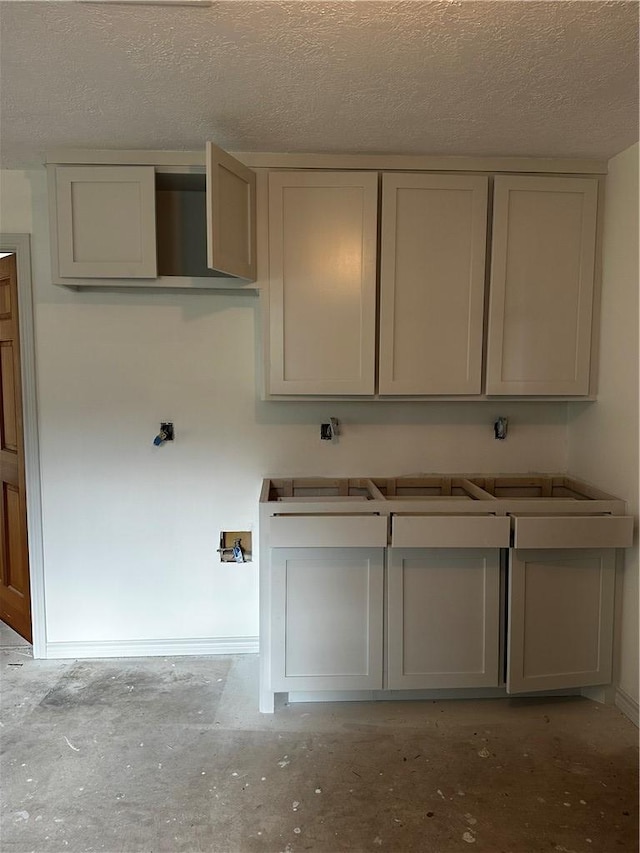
x=328 y=605
x=560 y=618
x=400 y=589
x=436 y=621
x=327 y=618
x=443 y=618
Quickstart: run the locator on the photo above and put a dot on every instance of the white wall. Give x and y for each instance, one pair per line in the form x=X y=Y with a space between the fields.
x=15 y=209
x=130 y=530
x=603 y=437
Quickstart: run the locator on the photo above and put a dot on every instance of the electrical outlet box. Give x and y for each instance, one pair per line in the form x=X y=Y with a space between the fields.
x=228 y=550
x=330 y=431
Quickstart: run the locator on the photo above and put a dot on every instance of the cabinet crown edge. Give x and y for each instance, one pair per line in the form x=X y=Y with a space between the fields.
x=374 y=162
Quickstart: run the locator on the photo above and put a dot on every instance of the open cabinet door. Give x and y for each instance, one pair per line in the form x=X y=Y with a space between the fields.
x=560 y=625
x=231 y=215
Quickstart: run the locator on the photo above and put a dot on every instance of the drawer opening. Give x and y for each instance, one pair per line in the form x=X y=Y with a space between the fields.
x=538 y=486
x=403 y=488
x=322 y=488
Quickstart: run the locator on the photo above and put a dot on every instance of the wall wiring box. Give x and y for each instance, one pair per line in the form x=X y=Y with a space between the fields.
x=235 y=546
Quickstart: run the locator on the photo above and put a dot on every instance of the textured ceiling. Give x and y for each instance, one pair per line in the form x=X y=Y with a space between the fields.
x=487 y=78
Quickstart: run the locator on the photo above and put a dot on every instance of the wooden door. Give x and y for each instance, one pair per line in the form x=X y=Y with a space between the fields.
x=104 y=221
x=560 y=618
x=443 y=618
x=542 y=280
x=322 y=282
x=15 y=608
x=434 y=233
x=327 y=618
x=231 y=215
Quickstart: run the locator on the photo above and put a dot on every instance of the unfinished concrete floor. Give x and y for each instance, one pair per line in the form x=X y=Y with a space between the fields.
x=170 y=754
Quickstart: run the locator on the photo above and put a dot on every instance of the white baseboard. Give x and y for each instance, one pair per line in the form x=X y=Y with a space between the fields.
x=628 y=706
x=421 y=695
x=152 y=648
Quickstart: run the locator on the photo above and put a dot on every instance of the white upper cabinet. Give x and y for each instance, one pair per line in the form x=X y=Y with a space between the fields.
x=389 y=300
x=152 y=219
x=231 y=215
x=432 y=282
x=322 y=282
x=105 y=221
x=429 y=328
x=541 y=290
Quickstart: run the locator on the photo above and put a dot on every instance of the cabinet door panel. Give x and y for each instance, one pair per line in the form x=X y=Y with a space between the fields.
x=231 y=215
x=443 y=618
x=541 y=293
x=588 y=531
x=327 y=618
x=106 y=226
x=434 y=231
x=560 y=619
x=346 y=531
x=450 y=531
x=322 y=282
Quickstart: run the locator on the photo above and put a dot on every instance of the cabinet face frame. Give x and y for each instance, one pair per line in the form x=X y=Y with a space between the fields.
x=500 y=289
x=231 y=215
x=528 y=627
x=485 y=561
x=369 y=562
x=459 y=370
x=62 y=180
x=362 y=381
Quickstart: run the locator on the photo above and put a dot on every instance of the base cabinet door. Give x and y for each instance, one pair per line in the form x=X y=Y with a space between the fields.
x=327 y=618
x=443 y=617
x=560 y=618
